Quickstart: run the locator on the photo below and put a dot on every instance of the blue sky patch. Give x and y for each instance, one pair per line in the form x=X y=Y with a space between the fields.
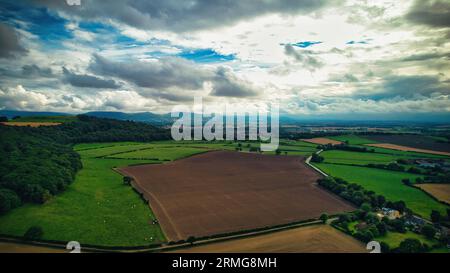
x=306 y=44
x=206 y=56
x=48 y=26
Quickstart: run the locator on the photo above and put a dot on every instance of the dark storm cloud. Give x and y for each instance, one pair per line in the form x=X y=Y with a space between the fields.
x=179 y=15
x=406 y=87
x=172 y=72
x=88 y=81
x=304 y=57
x=165 y=73
x=430 y=12
x=9 y=42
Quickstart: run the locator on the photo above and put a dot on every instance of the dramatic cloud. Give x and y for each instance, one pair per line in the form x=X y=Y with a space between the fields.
x=227 y=85
x=173 y=72
x=304 y=57
x=34 y=71
x=9 y=42
x=314 y=57
x=430 y=12
x=19 y=98
x=407 y=87
x=178 y=15
x=88 y=81
x=167 y=72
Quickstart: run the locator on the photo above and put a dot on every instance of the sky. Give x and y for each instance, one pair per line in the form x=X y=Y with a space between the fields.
x=315 y=58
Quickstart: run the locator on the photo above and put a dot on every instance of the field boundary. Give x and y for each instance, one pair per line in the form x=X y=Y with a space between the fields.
x=161 y=246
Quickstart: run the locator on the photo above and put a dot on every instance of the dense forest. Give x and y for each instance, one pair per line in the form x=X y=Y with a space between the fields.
x=37 y=163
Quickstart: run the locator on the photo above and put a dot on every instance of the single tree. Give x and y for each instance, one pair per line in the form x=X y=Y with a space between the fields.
x=324 y=218
x=410 y=246
x=429 y=231
x=34 y=233
x=191 y=240
x=435 y=216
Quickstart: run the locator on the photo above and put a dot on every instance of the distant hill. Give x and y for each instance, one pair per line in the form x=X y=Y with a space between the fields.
x=148 y=117
x=13 y=113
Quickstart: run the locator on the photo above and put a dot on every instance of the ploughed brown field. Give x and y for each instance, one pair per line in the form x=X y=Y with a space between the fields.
x=222 y=191
x=310 y=239
x=405 y=148
x=31 y=124
x=322 y=141
x=440 y=191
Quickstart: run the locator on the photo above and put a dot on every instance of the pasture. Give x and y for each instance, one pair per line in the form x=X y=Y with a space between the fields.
x=359 y=158
x=96 y=209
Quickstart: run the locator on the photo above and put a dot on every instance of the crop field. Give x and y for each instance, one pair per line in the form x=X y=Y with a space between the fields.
x=31 y=124
x=309 y=239
x=411 y=154
x=322 y=141
x=387 y=183
x=407 y=148
x=414 y=141
x=222 y=192
x=440 y=191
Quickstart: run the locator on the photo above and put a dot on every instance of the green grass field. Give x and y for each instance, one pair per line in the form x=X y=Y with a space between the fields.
x=387 y=183
x=353 y=139
x=96 y=209
x=105 y=151
x=347 y=157
x=393 y=239
x=161 y=152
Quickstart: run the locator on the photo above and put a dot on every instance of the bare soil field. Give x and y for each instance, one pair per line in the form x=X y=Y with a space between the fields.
x=31 y=124
x=440 y=191
x=310 y=239
x=322 y=141
x=6 y=247
x=405 y=148
x=413 y=141
x=221 y=192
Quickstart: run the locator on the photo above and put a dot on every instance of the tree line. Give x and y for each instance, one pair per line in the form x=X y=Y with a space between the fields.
x=38 y=163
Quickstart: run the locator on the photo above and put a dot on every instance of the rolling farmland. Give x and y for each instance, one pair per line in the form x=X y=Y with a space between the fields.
x=223 y=192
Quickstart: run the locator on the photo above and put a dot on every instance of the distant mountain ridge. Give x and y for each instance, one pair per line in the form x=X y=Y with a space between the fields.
x=149 y=117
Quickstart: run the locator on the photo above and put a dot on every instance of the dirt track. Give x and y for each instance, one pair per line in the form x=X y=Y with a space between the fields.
x=310 y=239
x=221 y=192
